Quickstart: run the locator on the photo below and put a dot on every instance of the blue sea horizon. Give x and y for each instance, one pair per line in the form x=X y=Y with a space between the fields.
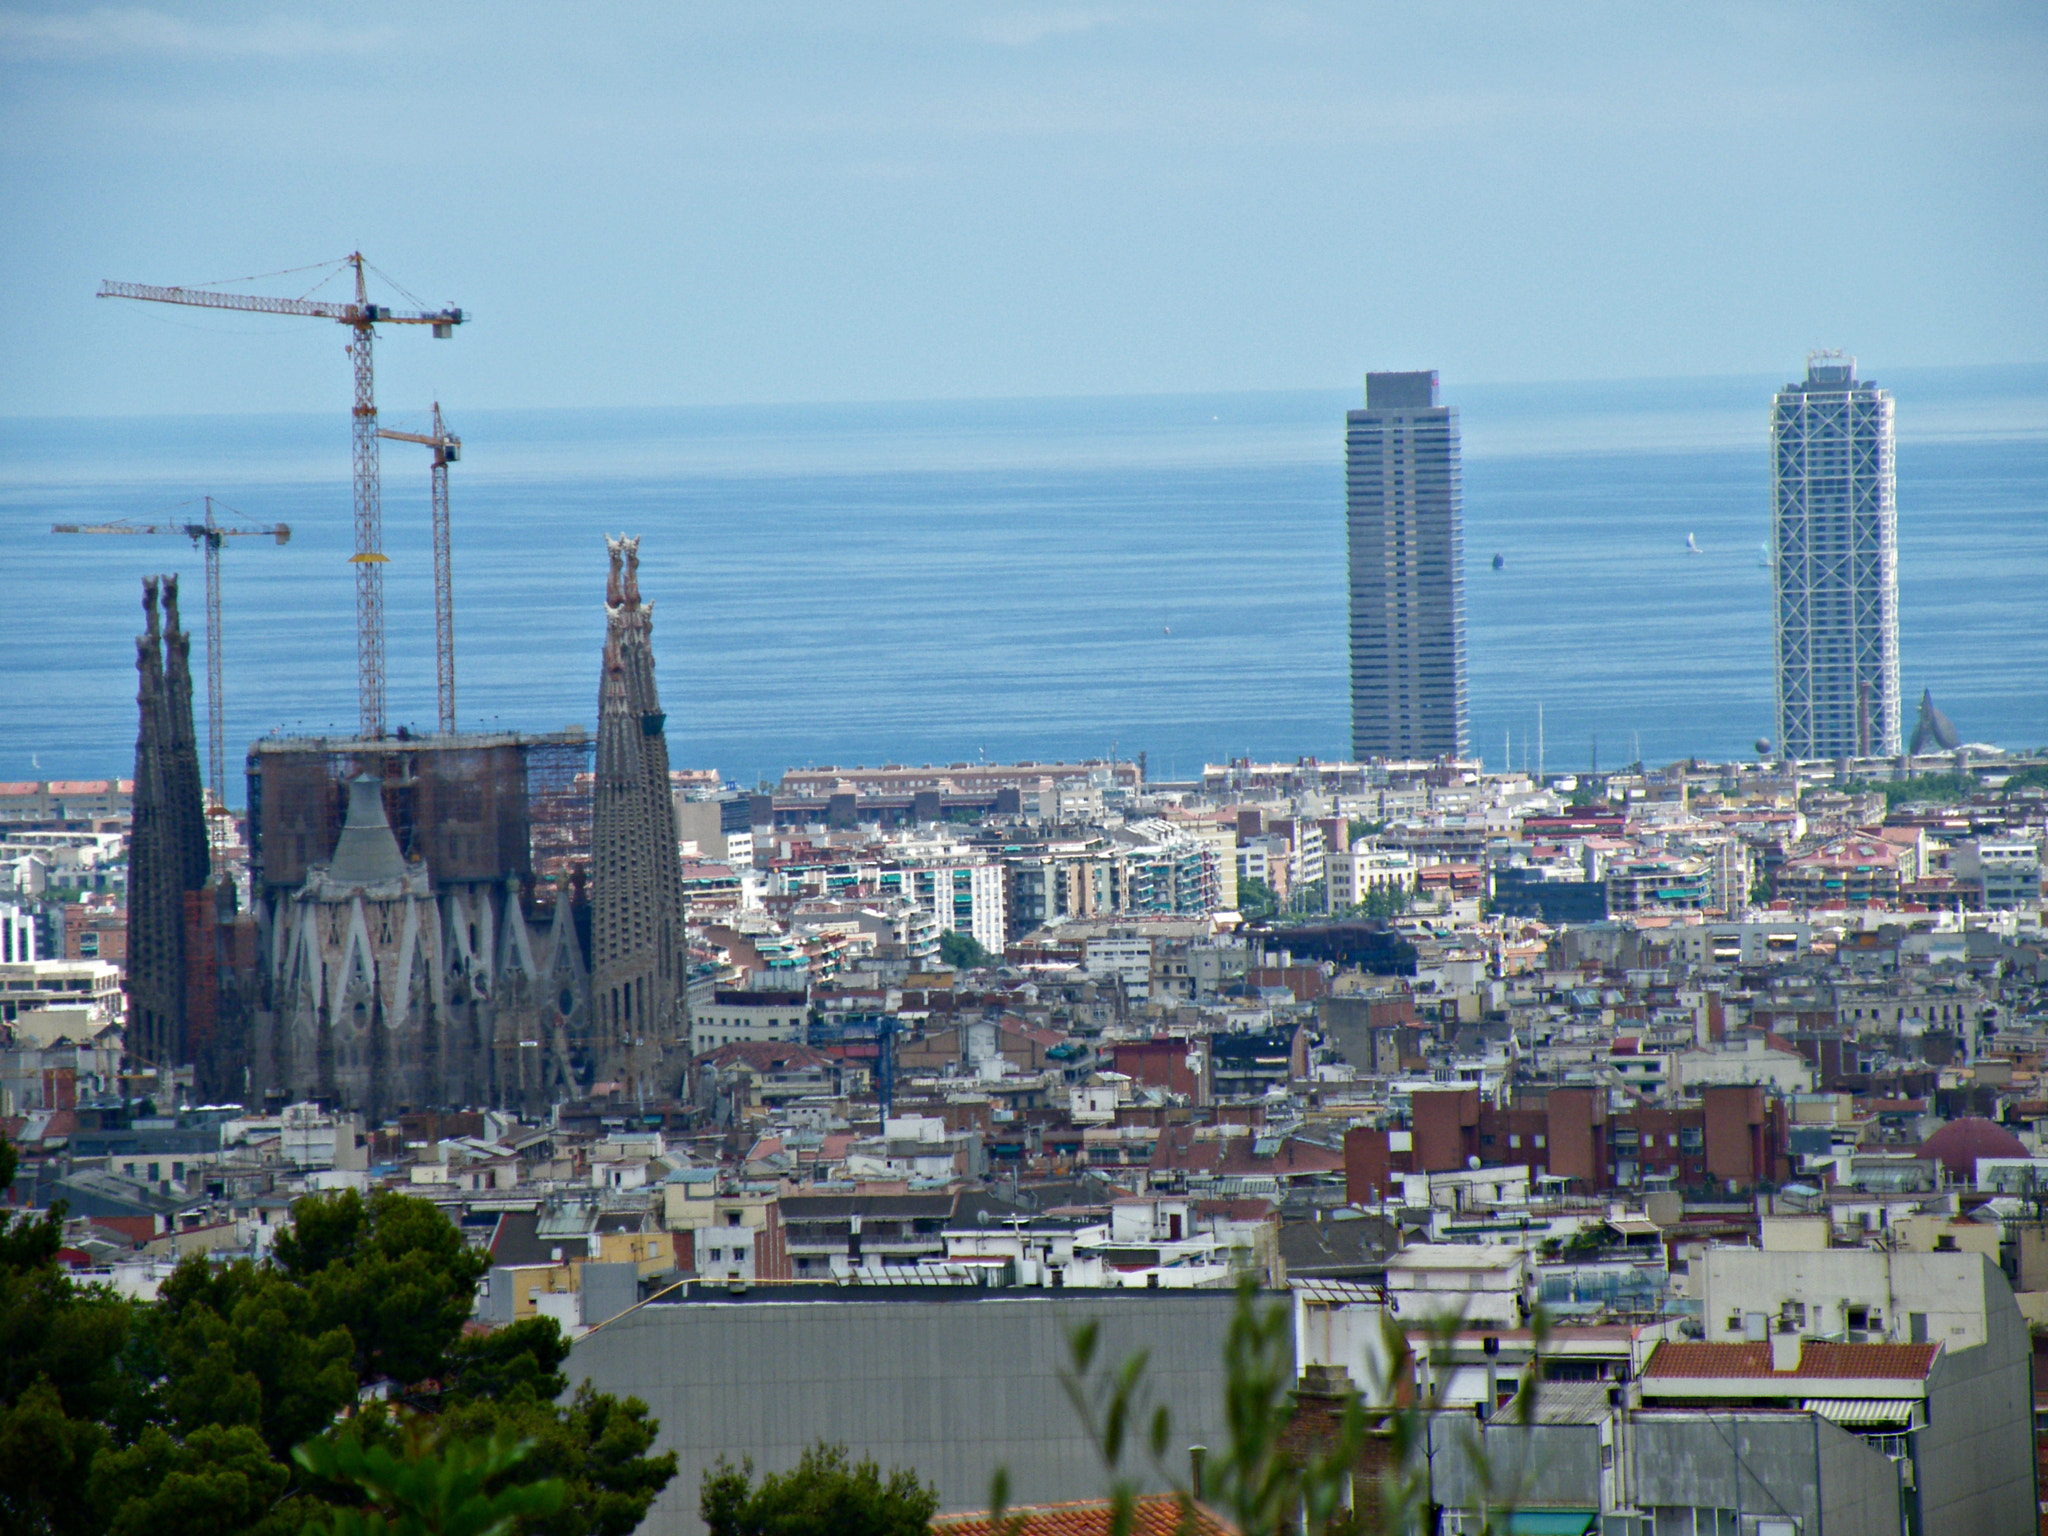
x=933 y=581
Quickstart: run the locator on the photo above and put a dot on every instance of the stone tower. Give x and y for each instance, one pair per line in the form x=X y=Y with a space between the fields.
x=167 y=856
x=639 y=954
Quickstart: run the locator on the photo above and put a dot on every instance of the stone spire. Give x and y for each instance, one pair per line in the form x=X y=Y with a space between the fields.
x=639 y=954
x=184 y=783
x=167 y=838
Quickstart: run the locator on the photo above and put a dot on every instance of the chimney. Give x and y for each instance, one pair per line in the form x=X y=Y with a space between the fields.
x=1785 y=1350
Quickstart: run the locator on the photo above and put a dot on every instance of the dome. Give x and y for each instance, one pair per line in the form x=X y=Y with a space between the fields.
x=1959 y=1144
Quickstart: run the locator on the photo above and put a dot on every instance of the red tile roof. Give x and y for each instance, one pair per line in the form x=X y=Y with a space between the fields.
x=1855 y=1362
x=1157 y=1514
x=764 y=1056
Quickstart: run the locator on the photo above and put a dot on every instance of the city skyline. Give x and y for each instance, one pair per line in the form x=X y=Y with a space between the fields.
x=1054 y=943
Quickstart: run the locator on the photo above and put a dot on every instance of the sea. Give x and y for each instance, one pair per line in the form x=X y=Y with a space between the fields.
x=949 y=581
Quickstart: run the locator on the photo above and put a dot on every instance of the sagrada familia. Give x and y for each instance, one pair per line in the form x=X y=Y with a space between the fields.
x=376 y=982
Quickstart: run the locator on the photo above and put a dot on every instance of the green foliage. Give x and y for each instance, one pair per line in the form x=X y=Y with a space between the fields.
x=444 y=1491
x=1587 y=1244
x=60 y=1346
x=244 y=1345
x=963 y=951
x=1365 y=831
x=1255 y=899
x=1946 y=788
x=216 y=1479
x=2027 y=778
x=46 y=1460
x=392 y=1270
x=182 y=1415
x=520 y=1358
x=1383 y=902
x=824 y=1495
x=1305 y=899
x=597 y=1448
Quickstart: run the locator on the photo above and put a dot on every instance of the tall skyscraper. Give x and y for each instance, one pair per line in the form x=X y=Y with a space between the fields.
x=1836 y=529
x=1404 y=515
x=639 y=953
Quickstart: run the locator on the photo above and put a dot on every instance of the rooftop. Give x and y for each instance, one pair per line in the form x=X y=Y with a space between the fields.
x=1817 y=1360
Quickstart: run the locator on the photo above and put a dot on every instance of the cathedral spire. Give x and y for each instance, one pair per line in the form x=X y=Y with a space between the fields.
x=639 y=954
x=167 y=838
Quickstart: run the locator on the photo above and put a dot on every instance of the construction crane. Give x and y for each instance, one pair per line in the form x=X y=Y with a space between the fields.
x=362 y=317
x=209 y=535
x=447 y=449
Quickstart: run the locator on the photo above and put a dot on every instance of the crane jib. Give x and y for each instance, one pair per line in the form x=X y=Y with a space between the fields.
x=361 y=315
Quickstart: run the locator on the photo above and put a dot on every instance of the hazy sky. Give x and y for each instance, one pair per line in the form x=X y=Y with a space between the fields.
x=747 y=202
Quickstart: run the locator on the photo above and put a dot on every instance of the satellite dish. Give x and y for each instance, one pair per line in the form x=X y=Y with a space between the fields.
x=1472 y=1163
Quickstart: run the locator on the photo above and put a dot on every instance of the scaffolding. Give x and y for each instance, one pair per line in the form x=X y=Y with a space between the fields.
x=485 y=807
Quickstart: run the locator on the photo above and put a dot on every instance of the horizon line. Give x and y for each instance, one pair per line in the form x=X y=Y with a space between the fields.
x=879 y=402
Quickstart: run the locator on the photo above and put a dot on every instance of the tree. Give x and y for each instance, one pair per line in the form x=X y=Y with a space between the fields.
x=824 y=1495
x=597 y=1448
x=216 y=1479
x=444 y=1491
x=60 y=1348
x=1255 y=899
x=395 y=1274
x=392 y=1270
x=1304 y=899
x=963 y=951
x=243 y=1345
x=184 y=1415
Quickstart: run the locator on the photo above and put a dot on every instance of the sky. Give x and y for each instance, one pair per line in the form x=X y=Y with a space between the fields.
x=672 y=204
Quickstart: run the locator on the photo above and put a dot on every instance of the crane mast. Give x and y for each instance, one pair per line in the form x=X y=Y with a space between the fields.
x=208 y=535
x=369 y=558
x=447 y=449
x=362 y=317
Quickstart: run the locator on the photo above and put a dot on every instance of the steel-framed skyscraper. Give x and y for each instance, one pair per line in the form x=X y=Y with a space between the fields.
x=1404 y=512
x=1835 y=533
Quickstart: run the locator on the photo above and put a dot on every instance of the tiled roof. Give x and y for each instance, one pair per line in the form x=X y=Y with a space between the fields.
x=764 y=1056
x=1158 y=1514
x=1817 y=1359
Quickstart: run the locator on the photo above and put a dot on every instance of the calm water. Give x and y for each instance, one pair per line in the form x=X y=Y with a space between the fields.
x=1033 y=578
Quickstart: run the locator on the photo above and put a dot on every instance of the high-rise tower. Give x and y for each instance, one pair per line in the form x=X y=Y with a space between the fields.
x=639 y=953
x=1836 y=526
x=1404 y=515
